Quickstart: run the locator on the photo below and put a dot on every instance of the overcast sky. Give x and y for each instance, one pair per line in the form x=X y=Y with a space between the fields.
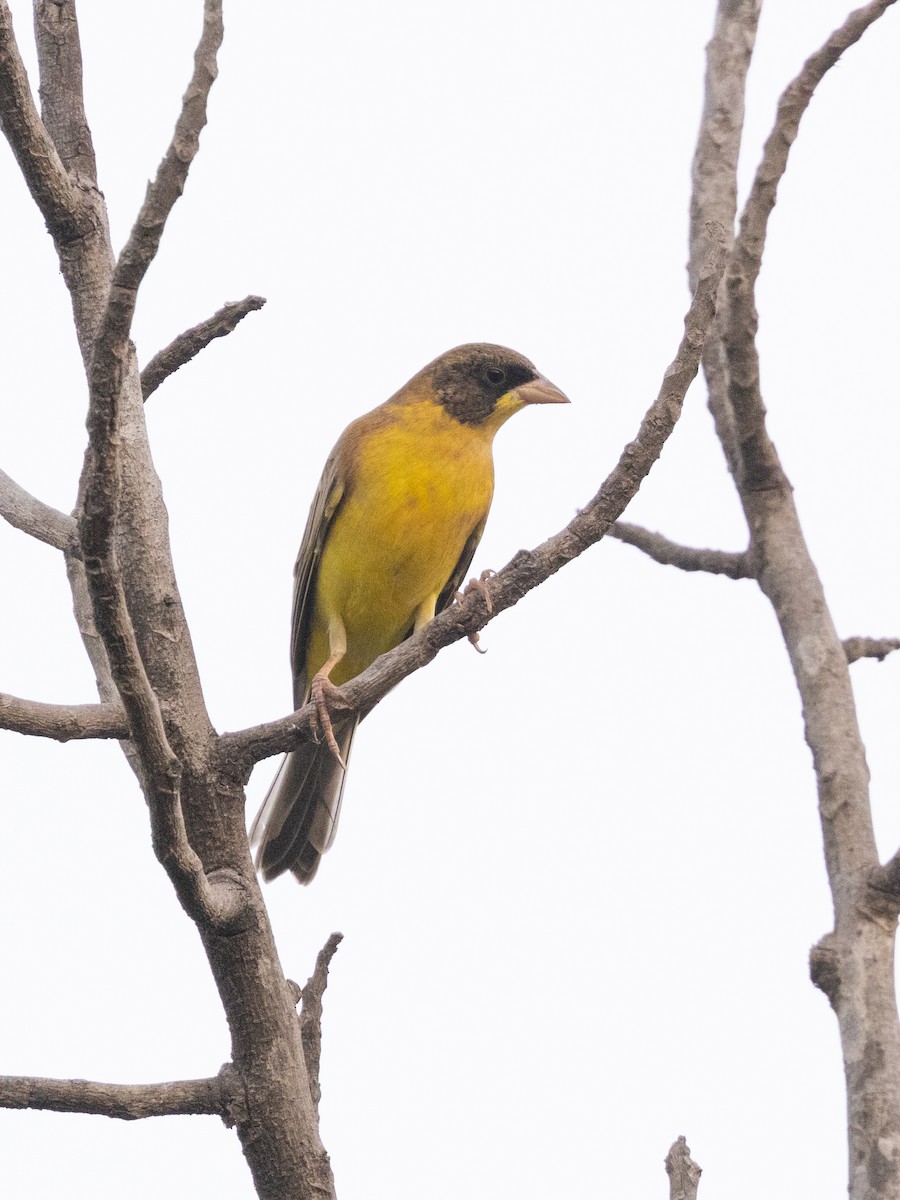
x=578 y=877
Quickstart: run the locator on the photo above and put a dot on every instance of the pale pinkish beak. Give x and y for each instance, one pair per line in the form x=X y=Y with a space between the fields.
x=541 y=391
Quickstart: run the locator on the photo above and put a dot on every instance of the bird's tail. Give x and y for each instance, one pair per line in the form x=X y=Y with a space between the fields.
x=298 y=818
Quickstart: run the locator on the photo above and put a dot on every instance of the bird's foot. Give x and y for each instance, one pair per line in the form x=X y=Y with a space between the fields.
x=319 y=691
x=478 y=585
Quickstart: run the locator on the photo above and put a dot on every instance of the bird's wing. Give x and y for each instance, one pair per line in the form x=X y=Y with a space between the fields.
x=325 y=504
x=454 y=583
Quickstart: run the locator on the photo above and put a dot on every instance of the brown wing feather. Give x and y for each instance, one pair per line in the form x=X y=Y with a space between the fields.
x=455 y=582
x=322 y=511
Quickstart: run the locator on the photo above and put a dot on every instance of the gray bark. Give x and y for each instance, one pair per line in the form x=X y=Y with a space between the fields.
x=854 y=964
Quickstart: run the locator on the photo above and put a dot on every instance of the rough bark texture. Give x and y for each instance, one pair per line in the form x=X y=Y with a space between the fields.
x=135 y=621
x=854 y=964
x=684 y=1174
x=126 y=1102
x=189 y=344
x=130 y=615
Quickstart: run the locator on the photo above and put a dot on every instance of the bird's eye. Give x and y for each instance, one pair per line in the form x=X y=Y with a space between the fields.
x=495 y=375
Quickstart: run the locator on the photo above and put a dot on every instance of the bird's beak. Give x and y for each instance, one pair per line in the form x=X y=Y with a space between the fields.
x=541 y=391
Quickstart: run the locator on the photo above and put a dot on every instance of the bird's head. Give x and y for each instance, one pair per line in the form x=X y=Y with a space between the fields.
x=480 y=384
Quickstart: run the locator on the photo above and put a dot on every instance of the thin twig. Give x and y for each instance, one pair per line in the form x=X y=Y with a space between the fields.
x=687 y=558
x=32 y=516
x=311 y=1014
x=529 y=568
x=162 y=194
x=761 y=468
x=868 y=647
x=62 y=722
x=189 y=344
x=126 y=1101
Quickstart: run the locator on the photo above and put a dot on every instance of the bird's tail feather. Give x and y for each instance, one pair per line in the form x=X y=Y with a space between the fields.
x=298 y=818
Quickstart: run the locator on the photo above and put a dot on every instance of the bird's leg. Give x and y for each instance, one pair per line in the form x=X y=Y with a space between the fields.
x=478 y=585
x=425 y=613
x=321 y=686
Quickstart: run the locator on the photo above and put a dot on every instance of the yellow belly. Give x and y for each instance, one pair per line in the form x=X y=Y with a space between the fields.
x=420 y=486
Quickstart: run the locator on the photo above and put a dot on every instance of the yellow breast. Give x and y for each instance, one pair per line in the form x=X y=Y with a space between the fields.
x=420 y=483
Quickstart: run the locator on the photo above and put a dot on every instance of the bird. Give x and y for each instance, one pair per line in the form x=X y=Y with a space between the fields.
x=399 y=510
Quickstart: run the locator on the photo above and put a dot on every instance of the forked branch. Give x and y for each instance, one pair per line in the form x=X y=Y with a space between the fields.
x=854 y=963
x=40 y=164
x=760 y=466
x=217 y=904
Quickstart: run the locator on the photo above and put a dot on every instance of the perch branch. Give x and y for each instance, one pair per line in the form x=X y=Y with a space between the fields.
x=529 y=568
x=32 y=516
x=311 y=1013
x=63 y=722
x=683 y=1172
x=189 y=344
x=686 y=558
x=127 y=1102
x=867 y=647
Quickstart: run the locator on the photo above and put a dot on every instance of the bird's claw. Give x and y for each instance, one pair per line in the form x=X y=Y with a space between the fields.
x=319 y=691
x=478 y=585
x=473 y=641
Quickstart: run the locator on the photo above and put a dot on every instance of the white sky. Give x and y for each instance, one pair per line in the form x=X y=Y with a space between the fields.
x=578 y=878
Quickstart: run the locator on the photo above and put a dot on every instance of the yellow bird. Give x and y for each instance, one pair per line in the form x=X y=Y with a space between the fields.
x=398 y=512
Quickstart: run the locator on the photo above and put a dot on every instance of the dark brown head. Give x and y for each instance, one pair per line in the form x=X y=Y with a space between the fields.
x=481 y=384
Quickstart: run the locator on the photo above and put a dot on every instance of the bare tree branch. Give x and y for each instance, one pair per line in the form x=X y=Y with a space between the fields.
x=759 y=459
x=714 y=182
x=529 y=568
x=189 y=344
x=854 y=964
x=868 y=647
x=686 y=558
x=84 y=617
x=62 y=722
x=61 y=92
x=126 y=1101
x=44 y=173
x=311 y=1014
x=219 y=902
x=32 y=516
x=683 y=1172
x=162 y=194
